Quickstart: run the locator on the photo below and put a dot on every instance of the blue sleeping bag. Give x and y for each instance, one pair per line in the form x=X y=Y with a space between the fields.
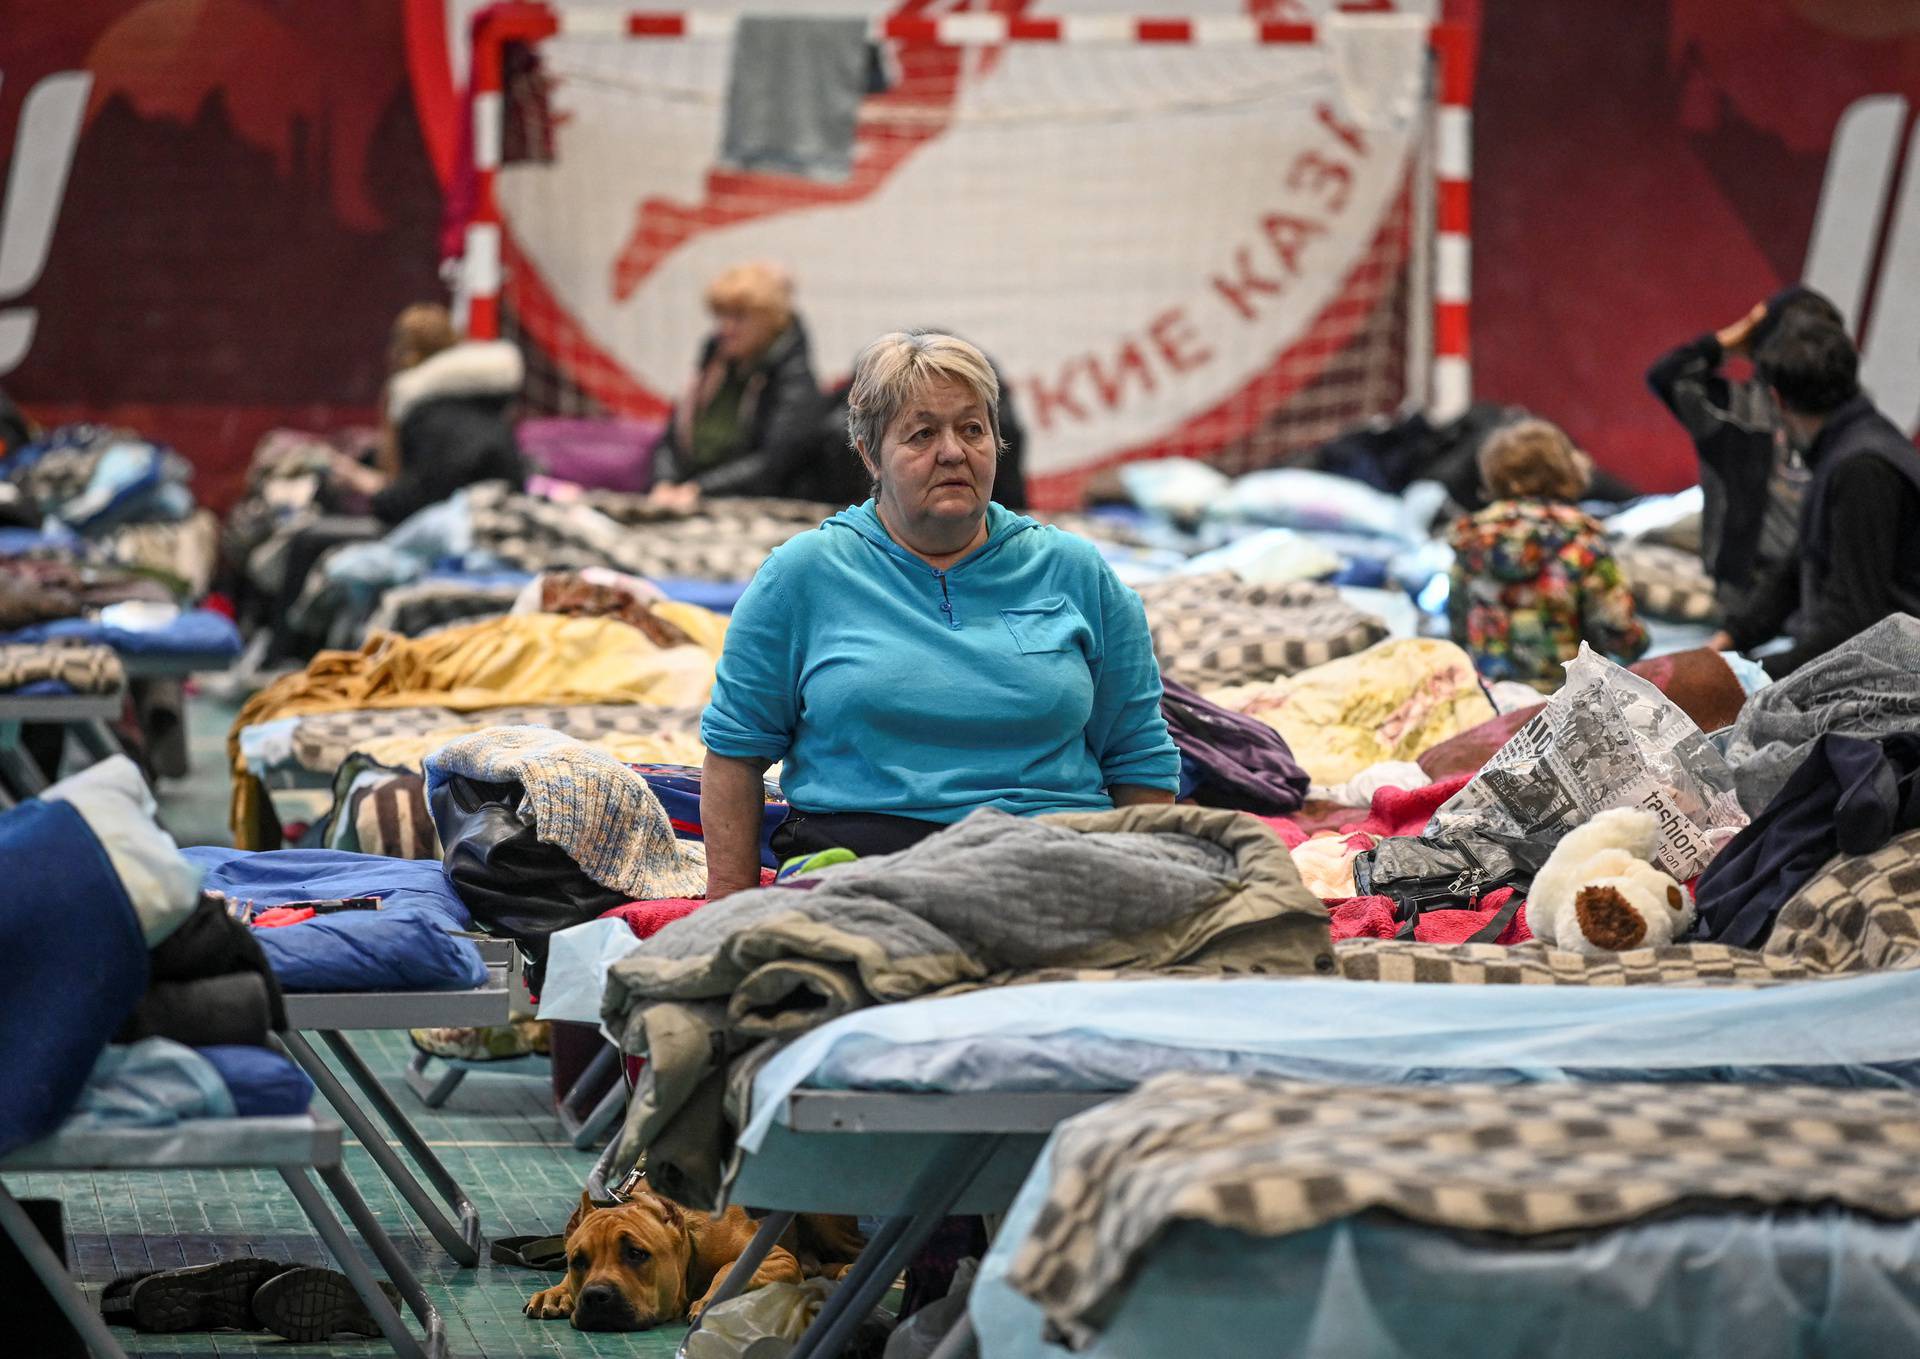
x=79 y=964
x=404 y=946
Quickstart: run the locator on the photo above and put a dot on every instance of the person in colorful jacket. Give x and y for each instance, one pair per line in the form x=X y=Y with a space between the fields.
x=1532 y=575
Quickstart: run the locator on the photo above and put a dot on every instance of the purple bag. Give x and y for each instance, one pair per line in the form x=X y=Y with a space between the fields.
x=603 y=455
x=1236 y=761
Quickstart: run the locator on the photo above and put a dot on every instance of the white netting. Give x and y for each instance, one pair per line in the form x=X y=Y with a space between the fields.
x=1209 y=250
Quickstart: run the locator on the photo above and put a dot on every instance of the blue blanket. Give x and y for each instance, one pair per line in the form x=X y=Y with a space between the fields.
x=197 y=632
x=404 y=946
x=79 y=964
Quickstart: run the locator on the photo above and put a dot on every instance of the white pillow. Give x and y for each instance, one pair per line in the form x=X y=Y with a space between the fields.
x=118 y=808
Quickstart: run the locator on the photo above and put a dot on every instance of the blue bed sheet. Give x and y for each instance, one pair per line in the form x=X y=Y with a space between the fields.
x=197 y=632
x=407 y=945
x=1109 y=1036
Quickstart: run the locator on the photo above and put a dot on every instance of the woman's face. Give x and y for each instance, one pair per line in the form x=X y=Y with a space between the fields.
x=937 y=458
x=744 y=332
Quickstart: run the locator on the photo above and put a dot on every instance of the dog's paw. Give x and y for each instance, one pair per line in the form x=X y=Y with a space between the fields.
x=694 y=1311
x=551 y=1304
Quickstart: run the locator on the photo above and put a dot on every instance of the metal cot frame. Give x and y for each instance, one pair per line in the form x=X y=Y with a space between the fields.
x=955 y=1152
x=291 y=1146
x=86 y=715
x=446 y=1210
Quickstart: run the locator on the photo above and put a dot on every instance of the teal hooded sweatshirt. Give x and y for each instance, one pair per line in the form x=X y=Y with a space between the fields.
x=1022 y=677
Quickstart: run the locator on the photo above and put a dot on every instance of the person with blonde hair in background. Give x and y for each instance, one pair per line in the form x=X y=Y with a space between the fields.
x=927 y=653
x=445 y=419
x=1533 y=576
x=752 y=395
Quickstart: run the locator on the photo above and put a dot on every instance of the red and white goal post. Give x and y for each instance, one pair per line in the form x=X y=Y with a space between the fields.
x=1212 y=236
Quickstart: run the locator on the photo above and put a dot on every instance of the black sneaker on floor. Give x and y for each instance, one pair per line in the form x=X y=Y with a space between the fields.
x=200 y=1298
x=312 y=1304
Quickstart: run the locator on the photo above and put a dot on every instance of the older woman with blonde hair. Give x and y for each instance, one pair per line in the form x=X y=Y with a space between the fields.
x=1533 y=576
x=752 y=397
x=929 y=652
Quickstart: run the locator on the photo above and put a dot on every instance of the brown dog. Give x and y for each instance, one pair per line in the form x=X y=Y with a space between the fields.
x=648 y=1261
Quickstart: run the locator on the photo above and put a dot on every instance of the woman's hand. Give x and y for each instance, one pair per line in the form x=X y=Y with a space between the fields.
x=1720 y=641
x=676 y=497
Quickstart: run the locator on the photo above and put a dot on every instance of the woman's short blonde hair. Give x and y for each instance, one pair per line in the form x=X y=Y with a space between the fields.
x=1533 y=459
x=760 y=287
x=897 y=365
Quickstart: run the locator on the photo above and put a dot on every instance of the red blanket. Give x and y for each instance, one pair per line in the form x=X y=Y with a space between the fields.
x=1373 y=918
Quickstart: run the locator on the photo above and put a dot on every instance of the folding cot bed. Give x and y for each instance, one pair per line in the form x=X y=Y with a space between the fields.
x=85 y=715
x=409 y=965
x=291 y=1146
x=451 y=1218
x=915 y=1110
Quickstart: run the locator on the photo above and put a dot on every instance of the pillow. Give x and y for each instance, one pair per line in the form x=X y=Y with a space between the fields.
x=118 y=807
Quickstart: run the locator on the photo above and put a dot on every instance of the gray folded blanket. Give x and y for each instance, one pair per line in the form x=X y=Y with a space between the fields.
x=983 y=901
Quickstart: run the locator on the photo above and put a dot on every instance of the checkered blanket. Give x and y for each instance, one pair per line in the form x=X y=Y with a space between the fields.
x=1859 y=914
x=1535 y=964
x=1271 y=1158
x=84 y=669
x=724 y=540
x=1215 y=630
x=417 y=609
x=322 y=743
x=1667 y=583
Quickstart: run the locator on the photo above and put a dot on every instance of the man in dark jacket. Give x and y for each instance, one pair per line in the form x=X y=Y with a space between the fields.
x=1750 y=478
x=1861 y=516
x=753 y=395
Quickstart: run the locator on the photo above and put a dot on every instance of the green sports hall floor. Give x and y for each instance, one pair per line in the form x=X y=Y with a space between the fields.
x=496 y=1134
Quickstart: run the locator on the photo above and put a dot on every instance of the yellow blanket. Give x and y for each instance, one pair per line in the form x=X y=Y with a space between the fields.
x=1394 y=701
x=672 y=745
x=519 y=659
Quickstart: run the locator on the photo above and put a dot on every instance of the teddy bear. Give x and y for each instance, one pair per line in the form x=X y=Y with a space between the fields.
x=1599 y=891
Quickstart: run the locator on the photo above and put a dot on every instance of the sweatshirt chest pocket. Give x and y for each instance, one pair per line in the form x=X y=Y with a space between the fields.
x=1048 y=625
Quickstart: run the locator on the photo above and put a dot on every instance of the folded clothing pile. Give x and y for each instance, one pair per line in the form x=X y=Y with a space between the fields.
x=1141 y=887
x=116 y=943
